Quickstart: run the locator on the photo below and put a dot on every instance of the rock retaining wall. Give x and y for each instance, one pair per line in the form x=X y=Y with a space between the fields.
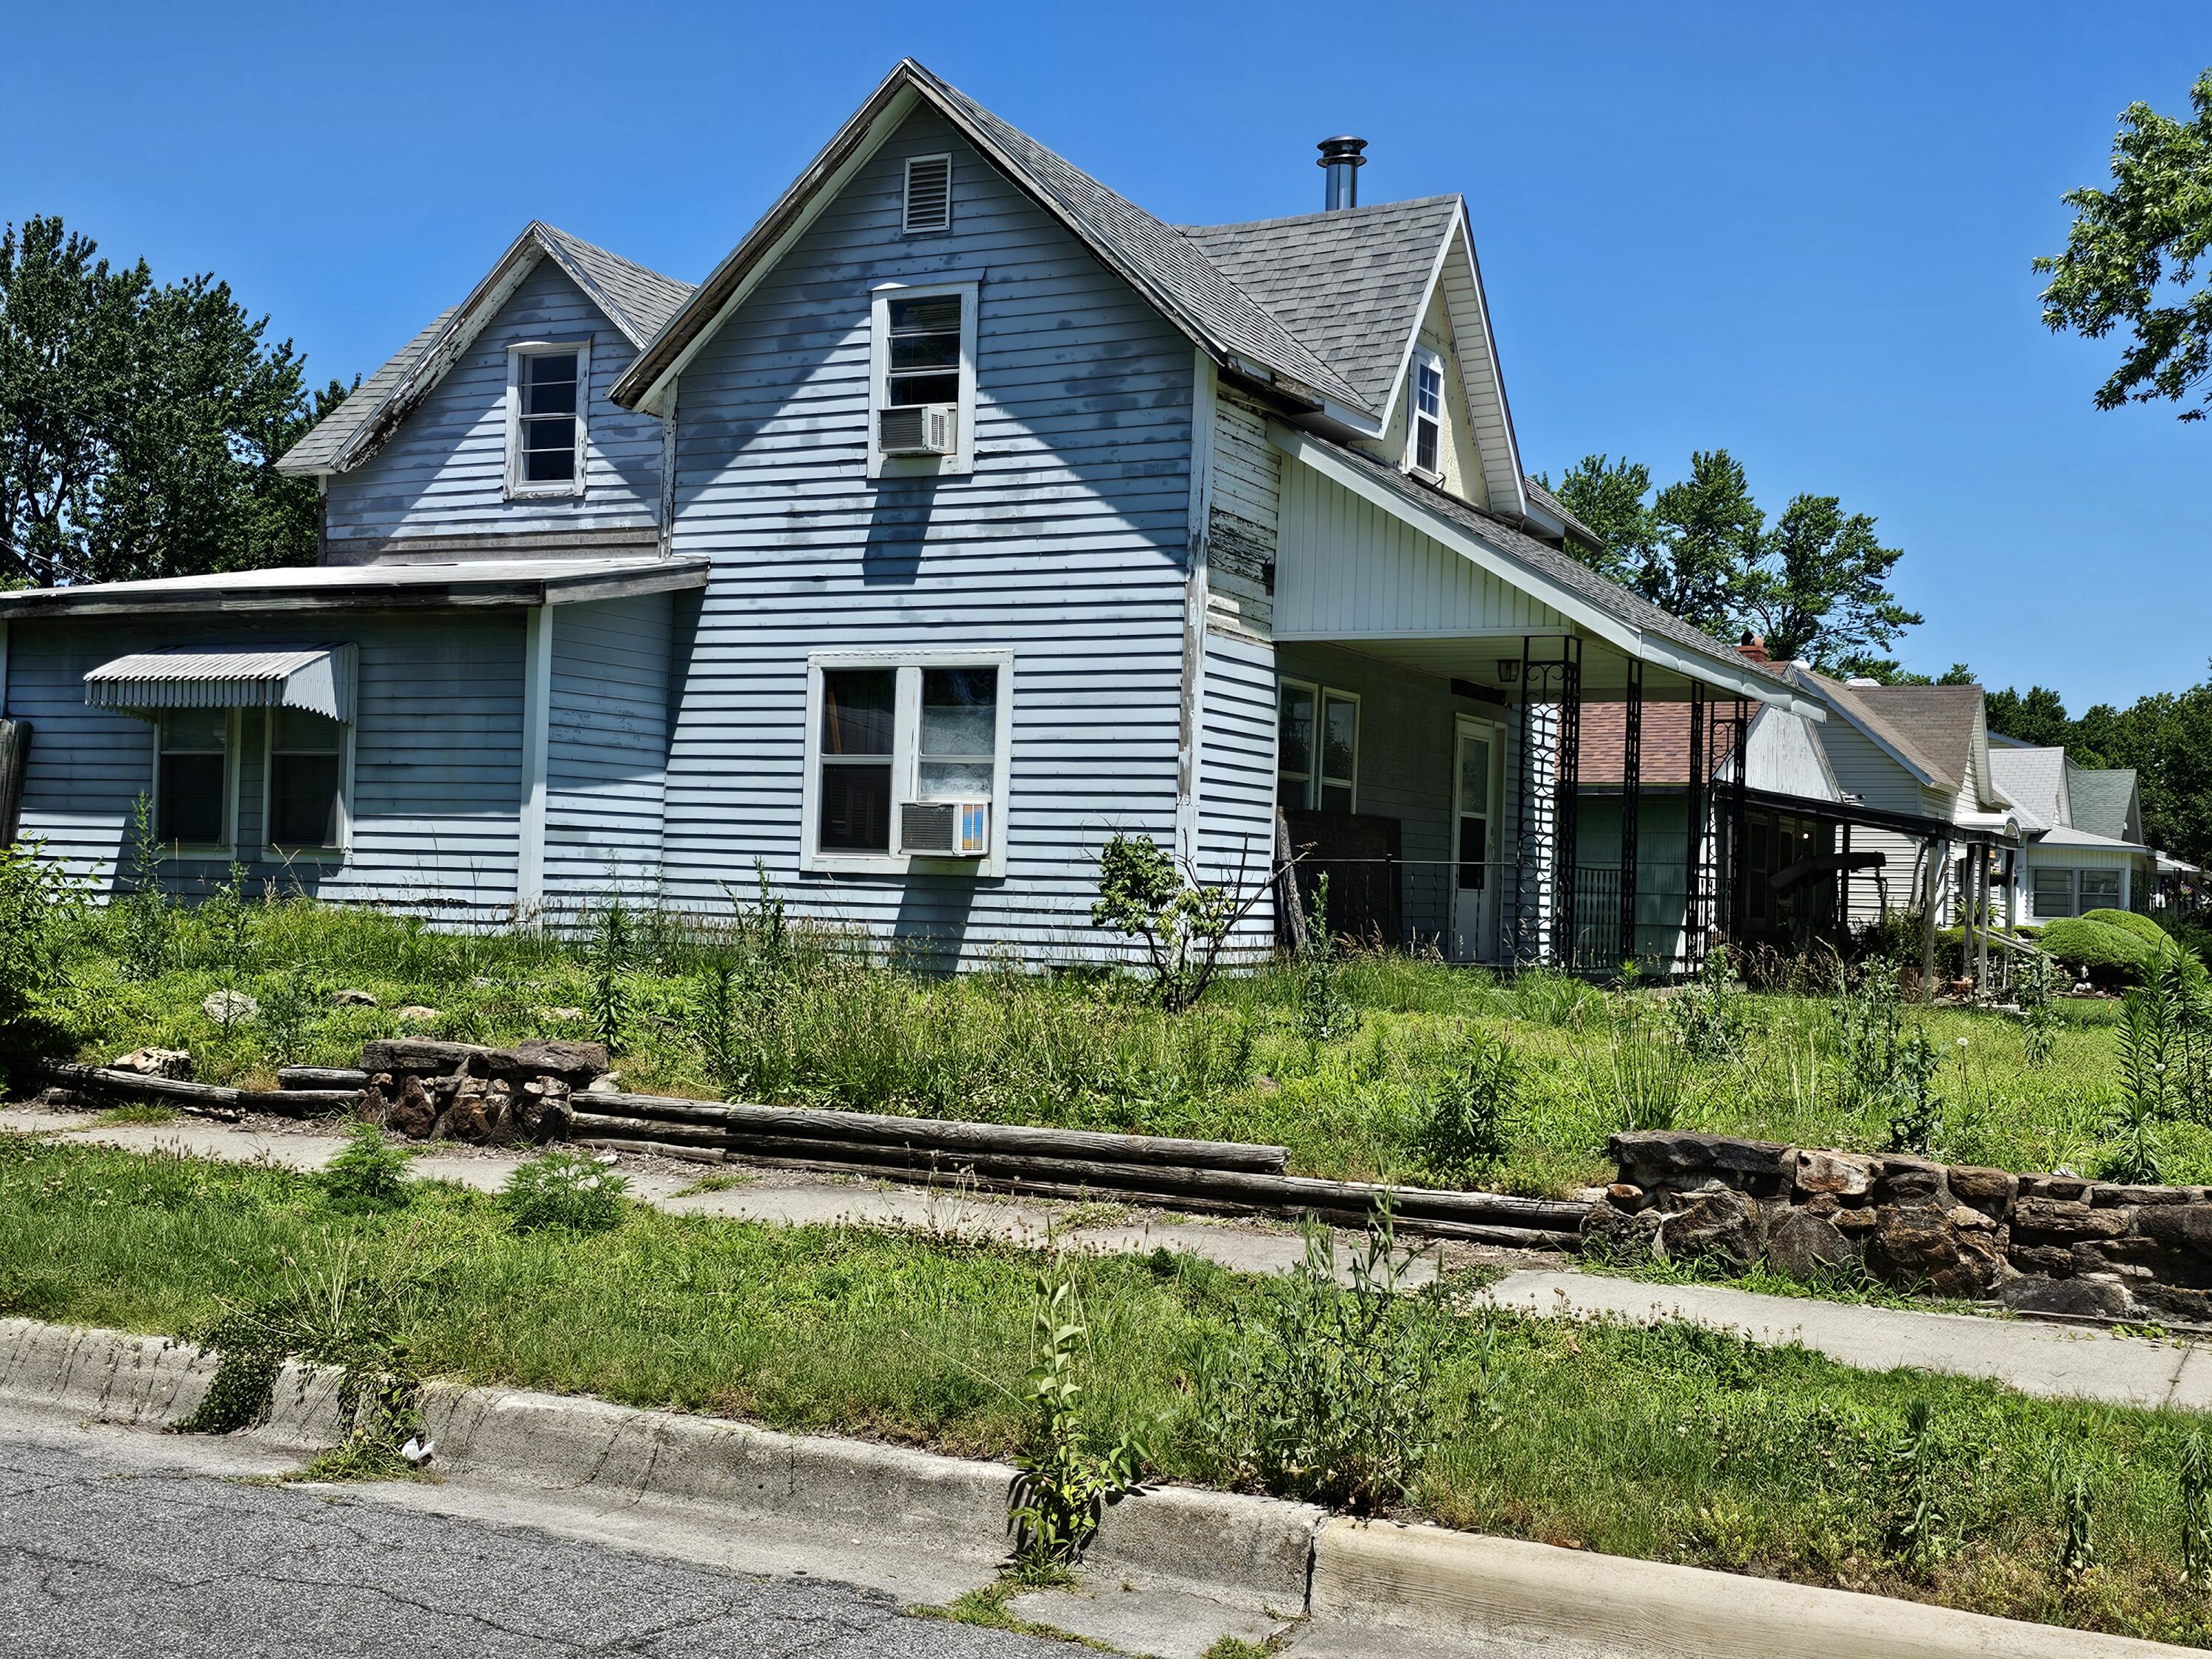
x=462 y=1091
x=2045 y=1243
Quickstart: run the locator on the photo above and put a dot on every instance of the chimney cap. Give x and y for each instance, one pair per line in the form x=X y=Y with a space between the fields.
x=1343 y=148
x=1752 y=646
x=1340 y=160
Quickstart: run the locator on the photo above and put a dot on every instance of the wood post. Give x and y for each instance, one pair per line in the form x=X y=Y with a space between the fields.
x=1938 y=851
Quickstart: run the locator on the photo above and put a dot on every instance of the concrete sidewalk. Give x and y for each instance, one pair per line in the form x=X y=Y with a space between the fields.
x=2055 y=1361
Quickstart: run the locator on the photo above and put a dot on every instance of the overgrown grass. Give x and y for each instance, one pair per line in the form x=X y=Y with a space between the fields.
x=1667 y=1442
x=812 y=1018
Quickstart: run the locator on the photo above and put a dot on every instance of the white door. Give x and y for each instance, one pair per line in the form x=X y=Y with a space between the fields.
x=1476 y=754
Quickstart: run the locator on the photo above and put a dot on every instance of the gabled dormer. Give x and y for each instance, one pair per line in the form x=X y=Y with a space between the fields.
x=492 y=430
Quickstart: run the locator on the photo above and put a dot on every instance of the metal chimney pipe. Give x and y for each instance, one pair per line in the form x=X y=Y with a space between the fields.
x=1342 y=161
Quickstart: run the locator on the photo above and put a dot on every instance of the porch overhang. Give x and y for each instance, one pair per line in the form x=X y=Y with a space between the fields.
x=461 y=584
x=1584 y=600
x=317 y=679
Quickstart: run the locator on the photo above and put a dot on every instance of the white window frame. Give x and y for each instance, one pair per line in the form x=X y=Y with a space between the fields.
x=337 y=855
x=518 y=487
x=2080 y=889
x=1424 y=357
x=227 y=849
x=1314 y=778
x=906 y=759
x=1306 y=784
x=907 y=226
x=2073 y=894
x=968 y=287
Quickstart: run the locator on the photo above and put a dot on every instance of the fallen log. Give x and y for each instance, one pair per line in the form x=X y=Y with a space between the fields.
x=1240 y=1189
x=1512 y=1238
x=945 y=1134
x=207 y=1099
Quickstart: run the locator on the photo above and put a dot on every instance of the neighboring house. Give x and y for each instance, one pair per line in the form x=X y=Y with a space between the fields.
x=964 y=516
x=2085 y=845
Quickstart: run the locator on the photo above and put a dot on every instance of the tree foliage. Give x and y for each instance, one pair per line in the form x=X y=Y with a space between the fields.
x=140 y=423
x=1814 y=582
x=2134 y=251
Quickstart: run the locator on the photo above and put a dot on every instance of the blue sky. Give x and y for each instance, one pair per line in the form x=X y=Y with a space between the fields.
x=1799 y=233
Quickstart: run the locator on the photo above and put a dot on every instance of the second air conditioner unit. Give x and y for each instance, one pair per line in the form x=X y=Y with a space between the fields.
x=919 y=429
x=945 y=829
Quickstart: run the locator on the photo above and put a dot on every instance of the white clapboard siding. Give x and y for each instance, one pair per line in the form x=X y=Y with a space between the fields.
x=444 y=471
x=607 y=749
x=1345 y=570
x=1066 y=546
x=1236 y=768
x=437 y=758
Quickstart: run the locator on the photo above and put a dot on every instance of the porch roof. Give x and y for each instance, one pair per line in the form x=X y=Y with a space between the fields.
x=1608 y=613
x=460 y=584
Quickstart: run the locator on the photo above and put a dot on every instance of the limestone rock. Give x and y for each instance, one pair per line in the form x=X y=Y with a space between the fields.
x=467 y=1119
x=558 y=1016
x=1804 y=1246
x=609 y=1082
x=2094 y=1299
x=1915 y=1248
x=1715 y=1222
x=1845 y=1174
x=2179 y=1227
x=1625 y=1236
x=1909 y=1181
x=172 y=1063
x=1677 y=1152
x=416 y=1014
x=572 y=1063
x=353 y=999
x=2068 y=1219
x=1968 y=1218
x=420 y=1056
x=412 y=1114
x=1856 y=1221
x=228 y=1007
x=1992 y=1189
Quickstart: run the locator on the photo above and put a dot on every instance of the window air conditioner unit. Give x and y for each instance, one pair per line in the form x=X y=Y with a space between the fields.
x=920 y=430
x=945 y=829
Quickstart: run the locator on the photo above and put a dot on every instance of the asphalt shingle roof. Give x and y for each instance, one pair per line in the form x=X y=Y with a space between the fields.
x=1932 y=725
x=314 y=451
x=2034 y=781
x=1349 y=284
x=2101 y=800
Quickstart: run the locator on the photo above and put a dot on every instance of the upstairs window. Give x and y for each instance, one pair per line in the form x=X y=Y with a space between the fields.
x=921 y=412
x=548 y=389
x=191 y=780
x=928 y=193
x=306 y=782
x=1428 y=447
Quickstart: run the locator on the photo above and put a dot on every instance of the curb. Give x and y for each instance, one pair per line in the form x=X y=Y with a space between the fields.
x=1424 y=1581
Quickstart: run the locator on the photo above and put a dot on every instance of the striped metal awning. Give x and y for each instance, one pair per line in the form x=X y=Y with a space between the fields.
x=318 y=679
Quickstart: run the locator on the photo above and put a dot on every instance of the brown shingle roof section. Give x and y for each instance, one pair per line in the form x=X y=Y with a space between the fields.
x=1936 y=723
x=1348 y=284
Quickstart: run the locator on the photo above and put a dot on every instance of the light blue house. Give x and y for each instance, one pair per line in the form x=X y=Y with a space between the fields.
x=964 y=515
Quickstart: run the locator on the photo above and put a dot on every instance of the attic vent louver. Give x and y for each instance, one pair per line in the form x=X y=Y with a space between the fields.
x=929 y=192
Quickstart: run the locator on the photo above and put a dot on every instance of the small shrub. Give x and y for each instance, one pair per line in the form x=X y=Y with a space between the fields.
x=1464 y=1135
x=1063 y=1485
x=1325 y=1013
x=368 y=1175
x=1183 y=924
x=2039 y=1010
x=35 y=898
x=144 y=920
x=611 y=959
x=1889 y=1061
x=1709 y=1014
x=291 y=1008
x=2134 y=922
x=1326 y=1390
x=565 y=1189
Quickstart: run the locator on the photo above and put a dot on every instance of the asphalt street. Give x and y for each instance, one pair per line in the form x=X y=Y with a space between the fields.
x=101 y=1555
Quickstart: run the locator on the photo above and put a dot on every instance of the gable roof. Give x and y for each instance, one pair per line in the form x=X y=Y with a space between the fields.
x=1352 y=284
x=2104 y=801
x=639 y=303
x=1558 y=578
x=1166 y=267
x=2034 y=780
x=1936 y=721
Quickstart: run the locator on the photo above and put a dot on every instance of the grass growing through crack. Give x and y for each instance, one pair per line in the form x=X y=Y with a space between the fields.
x=813 y=1019
x=1667 y=1443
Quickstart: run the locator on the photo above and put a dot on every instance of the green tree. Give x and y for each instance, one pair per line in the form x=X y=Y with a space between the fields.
x=1818 y=587
x=2038 y=717
x=2134 y=251
x=140 y=424
x=1608 y=495
x=1709 y=533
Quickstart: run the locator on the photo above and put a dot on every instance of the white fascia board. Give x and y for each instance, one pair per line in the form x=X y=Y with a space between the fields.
x=1743 y=681
x=895 y=109
x=1414 y=335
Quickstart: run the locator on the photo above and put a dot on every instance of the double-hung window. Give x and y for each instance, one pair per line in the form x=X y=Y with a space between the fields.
x=548 y=393
x=1427 y=448
x=306 y=787
x=921 y=381
x=890 y=731
x=192 y=791
x=1317 y=748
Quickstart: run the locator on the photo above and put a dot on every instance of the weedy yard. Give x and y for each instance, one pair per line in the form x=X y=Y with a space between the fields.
x=1667 y=1443
x=1363 y=1064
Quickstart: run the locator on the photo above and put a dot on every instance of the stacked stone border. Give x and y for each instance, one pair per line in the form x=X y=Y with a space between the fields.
x=2055 y=1244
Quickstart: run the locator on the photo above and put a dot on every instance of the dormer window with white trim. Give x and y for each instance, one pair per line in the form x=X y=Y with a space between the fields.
x=928 y=194
x=921 y=405
x=1427 y=447
x=547 y=391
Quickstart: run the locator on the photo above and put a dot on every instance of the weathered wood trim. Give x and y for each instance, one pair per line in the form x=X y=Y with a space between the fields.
x=15 y=762
x=537 y=727
x=667 y=536
x=1190 y=736
x=674 y=576
x=3 y=668
x=399 y=550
